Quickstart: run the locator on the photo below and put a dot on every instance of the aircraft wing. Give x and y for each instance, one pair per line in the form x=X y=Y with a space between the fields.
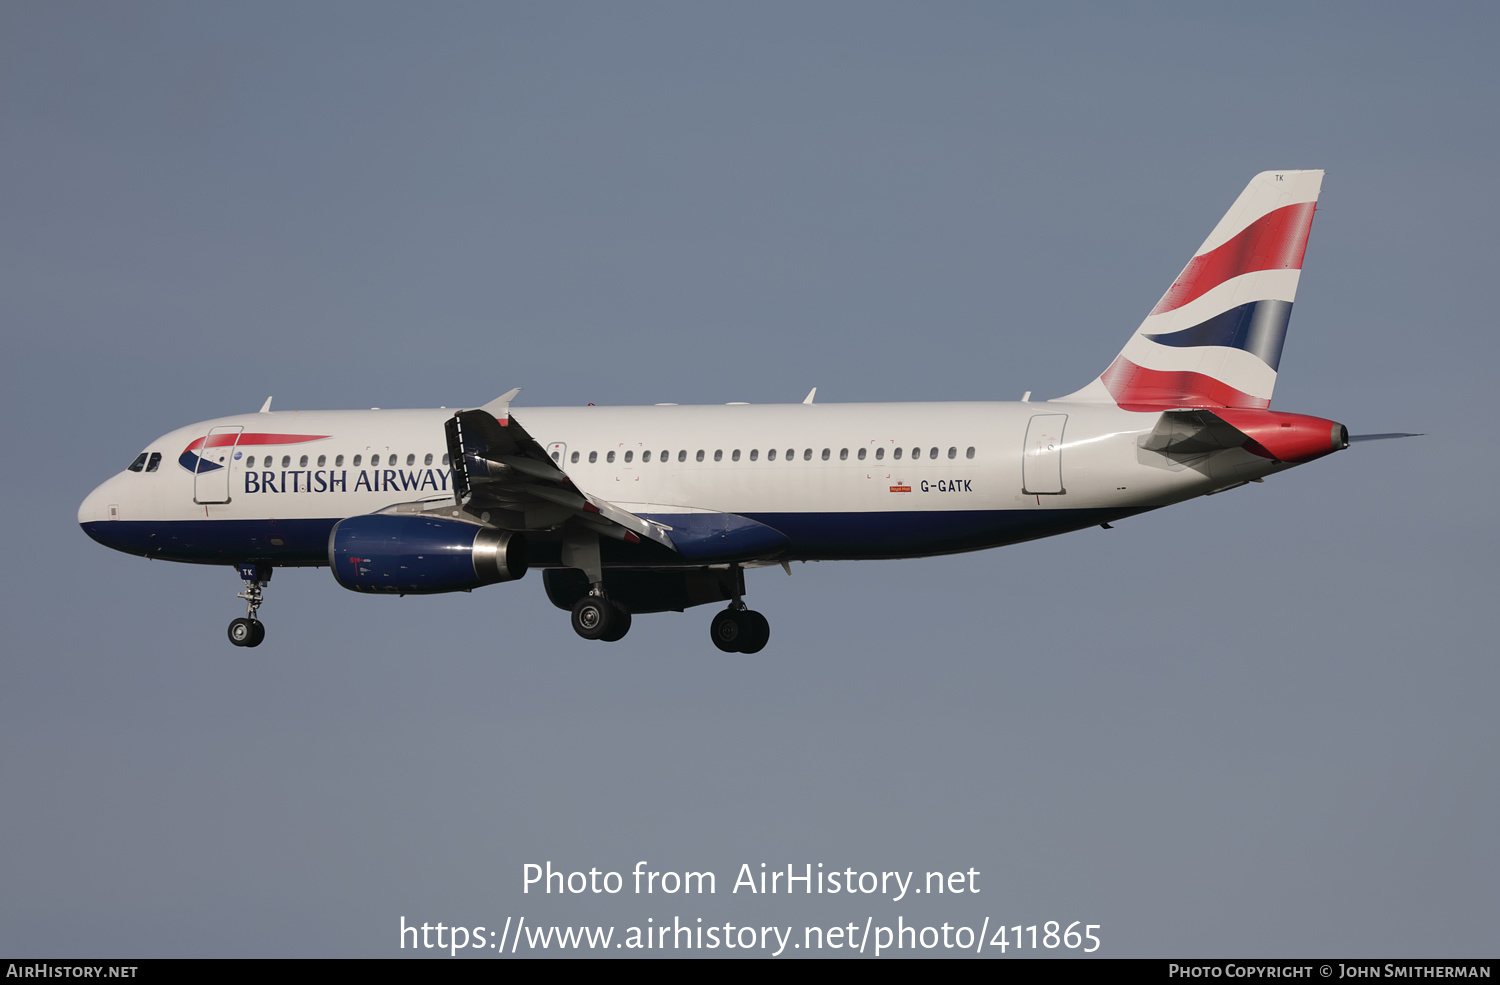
x=504 y=476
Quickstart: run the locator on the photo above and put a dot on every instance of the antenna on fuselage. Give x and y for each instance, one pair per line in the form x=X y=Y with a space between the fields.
x=265 y=408
x=810 y=394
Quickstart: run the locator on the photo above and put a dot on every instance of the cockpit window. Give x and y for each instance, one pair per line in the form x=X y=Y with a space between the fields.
x=154 y=461
x=139 y=463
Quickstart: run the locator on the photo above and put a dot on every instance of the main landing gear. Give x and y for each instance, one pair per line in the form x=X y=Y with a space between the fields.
x=595 y=617
x=249 y=631
x=598 y=616
x=739 y=630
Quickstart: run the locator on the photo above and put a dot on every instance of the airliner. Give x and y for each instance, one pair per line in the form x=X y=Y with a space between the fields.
x=631 y=510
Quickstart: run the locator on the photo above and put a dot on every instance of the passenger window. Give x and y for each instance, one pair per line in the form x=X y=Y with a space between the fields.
x=666 y=455
x=952 y=452
x=754 y=454
x=356 y=460
x=700 y=454
x=718 y=454
x=771 y=455
x=286 y=461
x=932 y=454
x=154 y=461
x=426 y=459
x=322 y=460
x=302 y=464
x=880 y=453
x=338 y=461
x=861 y=454
x=843 y=454
x=791 y=453
x=593 y=457
x=896 y=454
x=609 y=457
x=574 y=458
x=735 y=455
x=445 y=458
x=250 y=462
x=682 y=455
x=916 y=453
x=374 y=459
x=807 y=454
x=646 y=456
x=629 y=455
x=411 y=458
x=970 y=452
x=826 y=454
x=557 y=456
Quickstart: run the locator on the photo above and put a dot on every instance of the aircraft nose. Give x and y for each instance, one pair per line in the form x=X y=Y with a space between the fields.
x=97 y=510
x=88 y=510
x=100 y=505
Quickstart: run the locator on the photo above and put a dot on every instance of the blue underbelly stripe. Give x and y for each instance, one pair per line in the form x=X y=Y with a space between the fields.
x=703 y=538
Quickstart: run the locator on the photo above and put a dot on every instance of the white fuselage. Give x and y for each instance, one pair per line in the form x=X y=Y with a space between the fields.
x=841 y=480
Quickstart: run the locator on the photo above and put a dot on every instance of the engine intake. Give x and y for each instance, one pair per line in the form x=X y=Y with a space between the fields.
x=404 y=554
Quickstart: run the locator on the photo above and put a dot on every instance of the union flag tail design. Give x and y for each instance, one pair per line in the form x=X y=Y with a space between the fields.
x=1214 y=339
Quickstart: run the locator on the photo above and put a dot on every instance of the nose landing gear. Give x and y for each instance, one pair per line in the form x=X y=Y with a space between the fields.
x=249 y=631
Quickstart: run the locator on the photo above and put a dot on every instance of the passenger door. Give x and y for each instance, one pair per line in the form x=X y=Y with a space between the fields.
x=215 y=463
x=1041 y=465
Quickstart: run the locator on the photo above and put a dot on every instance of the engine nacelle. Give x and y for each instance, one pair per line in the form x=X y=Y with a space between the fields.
x=409 y=554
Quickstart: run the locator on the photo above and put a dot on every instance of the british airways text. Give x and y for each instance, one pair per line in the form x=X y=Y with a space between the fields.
x=339 y=480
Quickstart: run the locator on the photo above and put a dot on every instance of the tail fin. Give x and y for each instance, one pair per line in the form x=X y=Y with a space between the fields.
x=1214 y=339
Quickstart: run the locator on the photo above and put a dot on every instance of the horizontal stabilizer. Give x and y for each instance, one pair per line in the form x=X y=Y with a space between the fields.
x=1187 y=434
x=1192 y=433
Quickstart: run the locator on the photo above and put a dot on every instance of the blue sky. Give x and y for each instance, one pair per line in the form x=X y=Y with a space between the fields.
x=1256 y=724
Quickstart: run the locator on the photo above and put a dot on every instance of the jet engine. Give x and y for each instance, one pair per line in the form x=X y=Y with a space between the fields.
x=406 y=554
